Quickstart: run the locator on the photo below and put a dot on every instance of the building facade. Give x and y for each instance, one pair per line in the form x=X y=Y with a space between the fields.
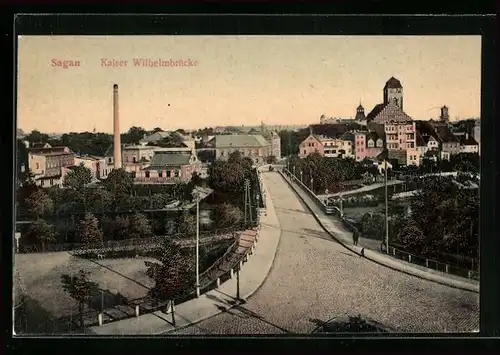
x=310 y=145
x=255 y=147
x=169 y=167
x=47 y=164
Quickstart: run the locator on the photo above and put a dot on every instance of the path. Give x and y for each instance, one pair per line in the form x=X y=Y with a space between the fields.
x=314 y=278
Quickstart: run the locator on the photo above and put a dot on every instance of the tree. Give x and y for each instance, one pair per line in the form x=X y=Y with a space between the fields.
x=42 y=231
x=77 y=178
x=79 y=287
x=412 y=238
x=37 y=137
x=173 y=275
x=119 y=228
x=88 y=231
x=373 y=226
x=187 y=223
x=139 y=226
x=227 y=215
x=134 y=135
x=39 y=203
x=119 y=182
x=196 y=179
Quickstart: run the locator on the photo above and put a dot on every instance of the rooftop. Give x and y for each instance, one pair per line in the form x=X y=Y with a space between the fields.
x=390 y=113
x=163 y=159
x=240 y=141
x=393 y=83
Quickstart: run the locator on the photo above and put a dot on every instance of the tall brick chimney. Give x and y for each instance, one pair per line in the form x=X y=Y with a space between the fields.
x=117 y=151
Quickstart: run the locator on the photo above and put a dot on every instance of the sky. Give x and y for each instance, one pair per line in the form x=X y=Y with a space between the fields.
x=238 y=80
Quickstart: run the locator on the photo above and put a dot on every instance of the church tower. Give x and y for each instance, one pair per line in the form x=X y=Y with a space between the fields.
x=445 y=116
x=393 y=92
x=360 y=113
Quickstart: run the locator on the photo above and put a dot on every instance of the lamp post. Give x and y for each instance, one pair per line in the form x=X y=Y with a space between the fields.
x=196 y=195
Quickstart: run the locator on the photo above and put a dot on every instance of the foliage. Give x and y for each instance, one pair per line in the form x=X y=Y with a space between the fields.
x=79 y=287
x=119 y=182
x=42 y=231
x=77 y=178
x=118 y=228
x=372 y=226
x=39 y=203
x=447 y=216
x=271 y=159
x=173 y=274
x=229 y=176
x=227 y=215
x=187 y=223
x=87 y=142
x=139 y=226
x=37 y=137
x=322 y=173
x=133 y=136
x=88 y=231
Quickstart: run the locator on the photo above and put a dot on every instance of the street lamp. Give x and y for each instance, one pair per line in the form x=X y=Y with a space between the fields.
x=196 y=195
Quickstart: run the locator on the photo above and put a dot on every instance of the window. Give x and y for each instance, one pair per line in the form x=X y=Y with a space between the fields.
x=222 y=153
x=134 y=160
x=176 y=173
x=147 y=173
x=169 y=173
x=305 y=152
x=160 y=174
x=51 y=182
x=37 y=166
x=126 y=158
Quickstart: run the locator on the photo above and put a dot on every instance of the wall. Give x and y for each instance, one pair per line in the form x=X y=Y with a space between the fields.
x=400 y=135
x=310 y=145
x=36 y=163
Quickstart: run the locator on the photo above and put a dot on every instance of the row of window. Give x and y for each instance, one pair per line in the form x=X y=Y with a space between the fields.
x=409 y=128
x=168 y=174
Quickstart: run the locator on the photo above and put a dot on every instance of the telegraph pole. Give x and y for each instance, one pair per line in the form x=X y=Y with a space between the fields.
x=248 y=202
x=386 y=210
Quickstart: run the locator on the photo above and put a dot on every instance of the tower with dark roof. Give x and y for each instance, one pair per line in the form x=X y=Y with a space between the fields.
x=360 y=113
x=393 y=92
x=445 y=116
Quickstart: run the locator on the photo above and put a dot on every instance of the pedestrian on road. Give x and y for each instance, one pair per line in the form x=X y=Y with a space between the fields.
x=355 y=237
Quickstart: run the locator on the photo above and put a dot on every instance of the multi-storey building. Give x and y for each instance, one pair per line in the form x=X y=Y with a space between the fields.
x=47 y=164
x=468 y=144
x=169 y=166
x=326 y=146
x=256 y=147
x=388 y=119
x=365 y=144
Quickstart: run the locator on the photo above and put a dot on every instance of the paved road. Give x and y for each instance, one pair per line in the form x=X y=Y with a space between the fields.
x=314 y=278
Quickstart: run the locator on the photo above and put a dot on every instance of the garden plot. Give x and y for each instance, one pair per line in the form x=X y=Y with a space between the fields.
x=41 y=274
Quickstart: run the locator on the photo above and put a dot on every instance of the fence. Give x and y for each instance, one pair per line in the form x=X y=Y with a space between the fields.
x=433 y=264
x=223 y=269
x=396 y=253
x=128 y=243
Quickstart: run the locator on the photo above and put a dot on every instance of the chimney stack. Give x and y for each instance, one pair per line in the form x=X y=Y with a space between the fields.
x=116 y=129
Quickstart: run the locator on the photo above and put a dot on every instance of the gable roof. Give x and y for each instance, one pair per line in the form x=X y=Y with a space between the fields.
x=163 y=159
x=373 y=136
x=445 y=134
x=391 y=113
x=420 y=140
x=240 y=141
x=374 y=112
x=467 y=139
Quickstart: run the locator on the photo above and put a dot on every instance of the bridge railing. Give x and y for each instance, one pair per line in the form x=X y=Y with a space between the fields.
x=396 y=253
x=433 y=264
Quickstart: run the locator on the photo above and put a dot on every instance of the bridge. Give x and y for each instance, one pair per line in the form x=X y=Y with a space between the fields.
x=315 y=278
